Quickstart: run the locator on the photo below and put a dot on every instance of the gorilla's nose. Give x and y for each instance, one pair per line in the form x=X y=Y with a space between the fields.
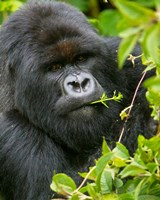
x=79 y=84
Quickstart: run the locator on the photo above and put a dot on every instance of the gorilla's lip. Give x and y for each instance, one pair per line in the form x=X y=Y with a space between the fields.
x=68 y=103
x=83 y=110
x=86 y=106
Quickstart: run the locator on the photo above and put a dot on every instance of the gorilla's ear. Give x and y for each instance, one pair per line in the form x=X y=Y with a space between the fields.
x=6 y=84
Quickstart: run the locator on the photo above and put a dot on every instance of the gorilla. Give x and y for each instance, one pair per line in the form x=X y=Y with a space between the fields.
x=53 y=64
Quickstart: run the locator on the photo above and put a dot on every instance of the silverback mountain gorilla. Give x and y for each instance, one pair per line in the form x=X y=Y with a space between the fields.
x=53 y=64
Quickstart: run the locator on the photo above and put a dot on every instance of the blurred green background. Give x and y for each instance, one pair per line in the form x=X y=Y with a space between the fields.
x=100 y=12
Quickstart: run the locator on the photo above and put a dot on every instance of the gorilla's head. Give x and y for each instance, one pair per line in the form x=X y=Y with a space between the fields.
x=55 y=66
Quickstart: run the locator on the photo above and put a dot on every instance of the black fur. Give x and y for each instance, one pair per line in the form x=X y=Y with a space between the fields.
x=52 y=65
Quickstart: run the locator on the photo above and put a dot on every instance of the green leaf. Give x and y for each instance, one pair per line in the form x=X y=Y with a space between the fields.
x=133 y=169
x=74 y=197
x=145 y=3
x=119 y=162
x=110 y=197
x=117 y=183
x=10 y=6
x=126 y=196
x=105 y=147
x=92 y=174
x=144 y=154
x=148 y=197
x=141 y=140
x=121 y=151
x=151 y=39
x=62 y=184
x=134 y=11
x=130 y=31
x=153 y=143
x=152 y=167
x=82 y=5
x=153 y=96
x=100 y=166
x=101 y=163
x=126 y=46
x=153 y=83
x=91 y=189
x=106 y=182
x=108 y=26
x=157 y=3
x=131 y=184
x=83 y=189
x=155 y=189
x=94 y=22
x=150 y=66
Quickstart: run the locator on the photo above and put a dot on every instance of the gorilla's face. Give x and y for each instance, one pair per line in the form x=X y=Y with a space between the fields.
x=62 y=66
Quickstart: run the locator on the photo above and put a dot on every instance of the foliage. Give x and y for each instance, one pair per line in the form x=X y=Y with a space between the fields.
x=116 y=175
x=83 y=5
x=110 y=177
x=8 y=6
x=135 y=21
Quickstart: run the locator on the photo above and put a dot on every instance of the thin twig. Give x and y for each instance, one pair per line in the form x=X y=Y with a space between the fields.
x=131 y=106
x=83 y=182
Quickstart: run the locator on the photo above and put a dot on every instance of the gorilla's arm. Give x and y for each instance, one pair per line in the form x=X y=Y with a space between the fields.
x=27 y=159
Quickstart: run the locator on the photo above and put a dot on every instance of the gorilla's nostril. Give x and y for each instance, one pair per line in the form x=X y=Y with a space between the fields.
x=75 y=85
x=85 y=84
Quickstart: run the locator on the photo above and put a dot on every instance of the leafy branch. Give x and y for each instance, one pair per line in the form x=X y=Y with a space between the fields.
x=105 y=98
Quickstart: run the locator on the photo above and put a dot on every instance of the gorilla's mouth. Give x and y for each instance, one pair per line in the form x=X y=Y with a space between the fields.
x=73 y=106
x=84 y=110
x=80 y=105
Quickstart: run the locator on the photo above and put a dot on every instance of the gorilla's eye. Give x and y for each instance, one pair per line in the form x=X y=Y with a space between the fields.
x=56 y=66
x=81 y=58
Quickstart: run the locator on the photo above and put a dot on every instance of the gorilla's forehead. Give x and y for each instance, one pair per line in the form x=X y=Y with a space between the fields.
x=52 y=33
x=66 y=48
x=67 y=42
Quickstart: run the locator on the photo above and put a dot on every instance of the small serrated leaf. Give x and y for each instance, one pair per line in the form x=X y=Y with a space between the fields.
x=106 y=182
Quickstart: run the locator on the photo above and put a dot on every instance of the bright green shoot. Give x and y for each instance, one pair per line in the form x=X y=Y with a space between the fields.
x=105 y=98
